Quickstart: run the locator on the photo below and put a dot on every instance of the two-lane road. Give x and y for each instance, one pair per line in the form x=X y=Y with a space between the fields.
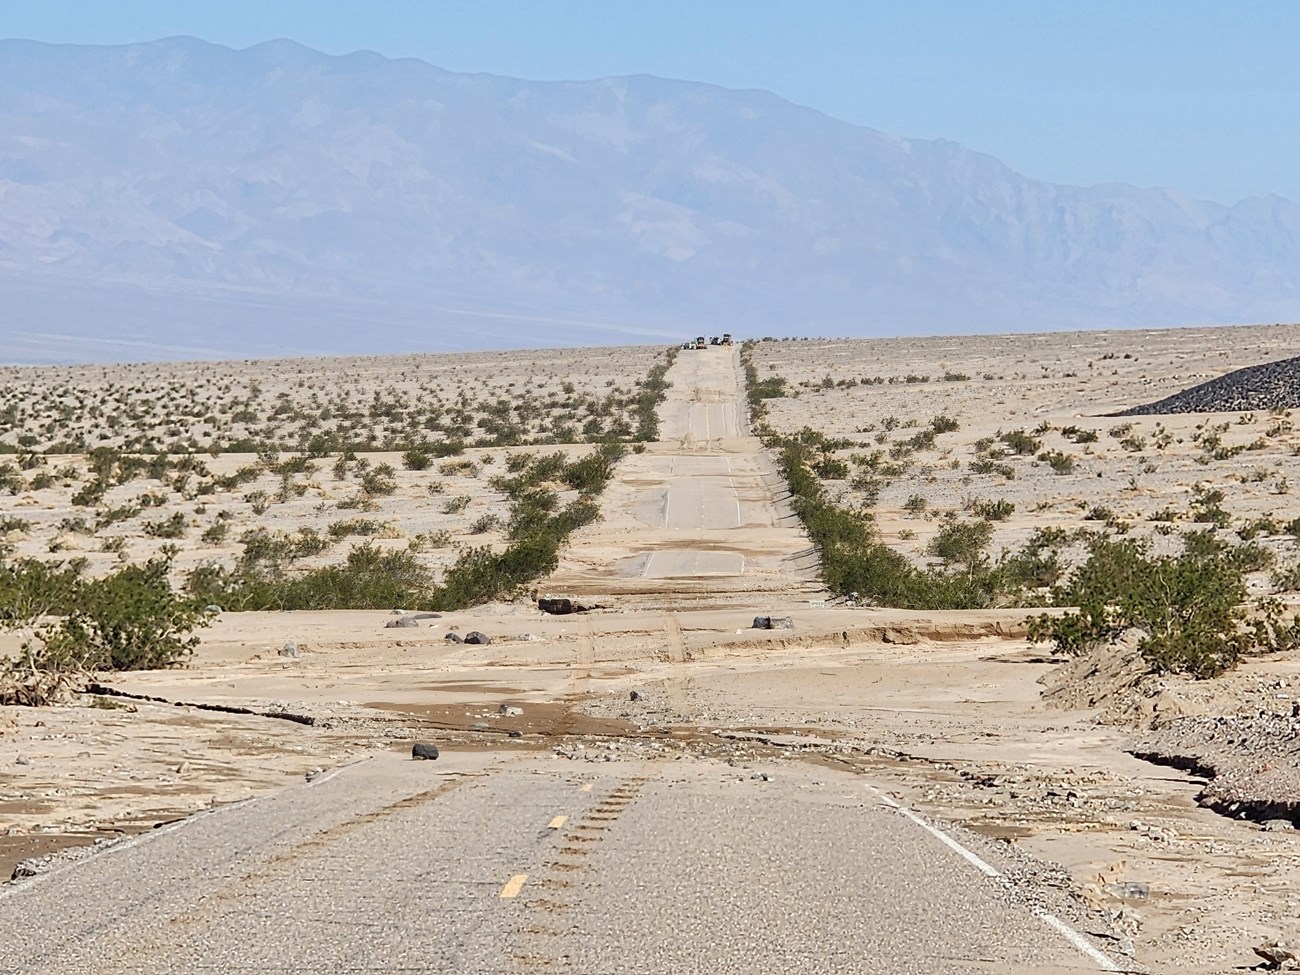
x=496 y=863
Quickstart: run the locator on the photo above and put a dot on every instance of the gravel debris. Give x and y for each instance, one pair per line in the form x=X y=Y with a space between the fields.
x=1271 y=386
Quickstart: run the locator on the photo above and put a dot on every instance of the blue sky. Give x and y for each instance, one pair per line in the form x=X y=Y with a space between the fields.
x=1200 y=96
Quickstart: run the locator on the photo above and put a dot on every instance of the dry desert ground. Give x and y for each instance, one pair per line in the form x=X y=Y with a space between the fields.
x=945 y=709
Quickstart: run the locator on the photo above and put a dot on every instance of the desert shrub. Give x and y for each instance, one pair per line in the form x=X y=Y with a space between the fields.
x=999 y=510
x=1059 y=463
x=1287 y=579
x=484 y=523
x=71 y=626
x=1020 y=442
x=961 y=542
x=90 y=493
x=1191 y=607
x=215 y=533
x=173 y=527
x=942 y=423
x=1207 y=507
x=1078 y=435
x=355 y=526
x=370 y=578
x=378 y=481
x=455 y=505
x=854 y=560
x=417 y=459
x=592 y=472
x=831 y=468
x=650 y=393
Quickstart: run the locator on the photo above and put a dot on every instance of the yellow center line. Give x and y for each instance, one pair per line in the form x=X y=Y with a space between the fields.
x=557 y=822
x=514 y=885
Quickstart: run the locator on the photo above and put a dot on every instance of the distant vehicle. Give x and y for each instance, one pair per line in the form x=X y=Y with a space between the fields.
x=688 y=345
x=715 y=341
x=700 y=342
x=726 y=338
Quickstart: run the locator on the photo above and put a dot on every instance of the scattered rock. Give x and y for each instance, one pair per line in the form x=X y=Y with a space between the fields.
x=290 y=649
x=22 y=760
x=454 y=638
x=424 y=750
x=637 y=696
x=29 y=868
x=561 y=606
x=477 y=638
x=514 y=733
x=212 y=609
x=773 y=623
x=510 y=711
x=1129 y=890
x=315 y=774
x=1277 y=825
x=404 y=622
x=1279 y=957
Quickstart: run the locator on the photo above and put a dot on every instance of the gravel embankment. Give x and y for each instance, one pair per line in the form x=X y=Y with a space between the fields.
x=1252 y=760
x=1271 y=386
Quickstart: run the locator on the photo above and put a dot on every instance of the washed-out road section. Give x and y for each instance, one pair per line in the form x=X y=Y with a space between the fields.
x=513 y=857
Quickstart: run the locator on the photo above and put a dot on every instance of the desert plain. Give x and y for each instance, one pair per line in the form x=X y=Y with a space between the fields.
x=953 y=713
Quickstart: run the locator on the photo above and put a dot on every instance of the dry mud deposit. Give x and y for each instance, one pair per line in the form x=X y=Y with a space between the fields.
x=953 y=712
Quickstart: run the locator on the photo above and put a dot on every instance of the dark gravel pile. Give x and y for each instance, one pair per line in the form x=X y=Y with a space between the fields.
x=1271 y=386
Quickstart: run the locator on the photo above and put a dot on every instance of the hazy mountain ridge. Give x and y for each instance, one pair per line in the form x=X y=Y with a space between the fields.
x=630 y=202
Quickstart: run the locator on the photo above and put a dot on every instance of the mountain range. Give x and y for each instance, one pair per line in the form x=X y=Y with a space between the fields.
x=182 y=199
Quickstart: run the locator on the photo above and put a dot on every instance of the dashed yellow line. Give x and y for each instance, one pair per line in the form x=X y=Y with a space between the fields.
x=557 y=822
x=514 y=885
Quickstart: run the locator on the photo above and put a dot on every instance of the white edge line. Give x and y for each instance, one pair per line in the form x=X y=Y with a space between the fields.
x=127 y=842
x=1078 y=941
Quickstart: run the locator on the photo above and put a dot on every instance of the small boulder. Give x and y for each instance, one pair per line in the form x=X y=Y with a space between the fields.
x=290 y=649
x=1278 y=955
x=510 y=711
x=636 y=696
x=453 y=638
x=403 y=622
x=424 y=750
x=475 y=637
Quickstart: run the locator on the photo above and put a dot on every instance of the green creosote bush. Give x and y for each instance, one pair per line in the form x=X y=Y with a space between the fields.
x=372 y=578
x=378 y=481
x=1192 y=607
x=999 y=510
x=961 y=543
x=417 y=459
x=1059 y=463
x=71 y=626
x=173 y=527
x=1020 y=442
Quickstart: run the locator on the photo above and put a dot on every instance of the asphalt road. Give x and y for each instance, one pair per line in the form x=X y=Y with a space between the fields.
x=493 y=862
x=488 y=862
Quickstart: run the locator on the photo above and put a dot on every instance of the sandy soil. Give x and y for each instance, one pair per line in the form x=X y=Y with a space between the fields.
x=1140 y=471
x=942 y=709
